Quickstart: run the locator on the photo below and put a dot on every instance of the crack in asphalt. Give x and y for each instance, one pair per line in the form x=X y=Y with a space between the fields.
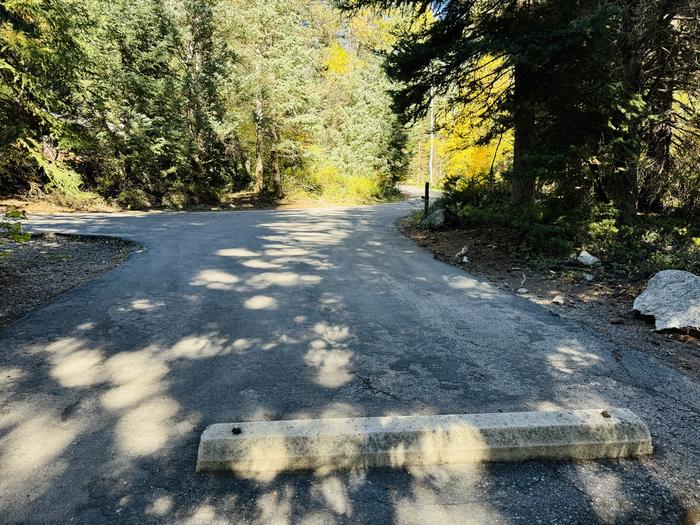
x=648 y=389
x=367 y=382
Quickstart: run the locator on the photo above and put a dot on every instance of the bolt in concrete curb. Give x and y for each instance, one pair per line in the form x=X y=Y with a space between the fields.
x=399 y=441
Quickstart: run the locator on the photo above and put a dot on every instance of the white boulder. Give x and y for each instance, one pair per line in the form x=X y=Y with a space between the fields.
x=586 y=258
x=672 y=297
x=436 y=219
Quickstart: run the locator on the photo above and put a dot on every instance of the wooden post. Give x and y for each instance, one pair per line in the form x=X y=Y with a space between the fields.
x=426 y=198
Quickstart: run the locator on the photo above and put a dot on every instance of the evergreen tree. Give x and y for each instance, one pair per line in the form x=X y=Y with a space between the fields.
x=204 y=65
x=272 y=81
x=547 y=49
x=40 y=68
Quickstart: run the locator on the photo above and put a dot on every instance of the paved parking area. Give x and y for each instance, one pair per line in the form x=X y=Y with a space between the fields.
x=311 y=313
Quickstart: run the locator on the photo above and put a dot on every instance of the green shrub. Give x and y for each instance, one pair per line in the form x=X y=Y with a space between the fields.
x=547 y=239
x=537 y=238
x=175 y=201
x=479 y=192
x=471 y=215
x=603 y=232
x=11 y=227
x=561 y=224
x=362 y=189
x=79 y=201
x=327 y=182
x=133 y=199
x=650 y=245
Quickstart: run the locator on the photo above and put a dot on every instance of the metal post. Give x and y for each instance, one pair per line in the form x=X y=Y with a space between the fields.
x=426 y=198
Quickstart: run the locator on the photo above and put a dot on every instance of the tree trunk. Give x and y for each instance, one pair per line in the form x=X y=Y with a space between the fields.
x=276 y=182
x=276 y=175
x=622 y=184
x=658 y=155
x=659 y=79
x=260 y=182
x=523 y=180
x=260 y=185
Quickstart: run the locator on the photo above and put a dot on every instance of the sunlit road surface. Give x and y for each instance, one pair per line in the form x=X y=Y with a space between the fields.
x=255 y=315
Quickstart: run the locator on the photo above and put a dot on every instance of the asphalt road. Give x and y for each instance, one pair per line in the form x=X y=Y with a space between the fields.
x=312 y=313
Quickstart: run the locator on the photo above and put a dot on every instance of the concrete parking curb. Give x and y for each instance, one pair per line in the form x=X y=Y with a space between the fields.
x=399 y=441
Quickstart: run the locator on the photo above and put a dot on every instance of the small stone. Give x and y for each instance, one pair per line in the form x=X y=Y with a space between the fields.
x=588 y=277
x=465 y=260
x=586 y=258
x=559 y=299
x=522 y=291
x=461 y=253
x=617 y=320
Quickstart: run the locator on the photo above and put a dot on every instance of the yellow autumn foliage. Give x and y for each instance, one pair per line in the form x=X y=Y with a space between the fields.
x=338 y=61
x=463 y=156
x=459 y=152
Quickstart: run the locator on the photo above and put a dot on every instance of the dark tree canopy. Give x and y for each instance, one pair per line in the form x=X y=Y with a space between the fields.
x=591 y=84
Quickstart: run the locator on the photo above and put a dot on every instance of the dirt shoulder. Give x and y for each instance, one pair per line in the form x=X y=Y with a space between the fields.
x=33 y=273
x=603 y=304
x=244 y=200
x=48 y=205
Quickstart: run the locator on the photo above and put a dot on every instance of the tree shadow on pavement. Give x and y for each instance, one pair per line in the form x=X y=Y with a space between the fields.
x=307 y=314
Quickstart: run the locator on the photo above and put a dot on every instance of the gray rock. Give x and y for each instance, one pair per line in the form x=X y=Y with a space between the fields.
x=436 y=219
x=672 y=297
x=559 y=299
x=461 y=254
x=522 y=291
x=586 y=258
x=588 y=277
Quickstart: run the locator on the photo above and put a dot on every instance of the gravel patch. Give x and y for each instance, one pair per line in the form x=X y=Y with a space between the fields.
x=33 y=273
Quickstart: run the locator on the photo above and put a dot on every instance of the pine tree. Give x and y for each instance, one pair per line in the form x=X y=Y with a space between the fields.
x=540 y=46
x=40 y=68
